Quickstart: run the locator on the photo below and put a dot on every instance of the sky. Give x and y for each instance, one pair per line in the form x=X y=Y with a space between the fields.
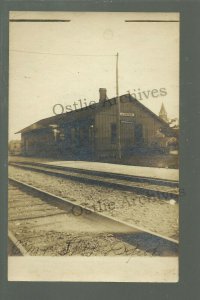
x=62 y=62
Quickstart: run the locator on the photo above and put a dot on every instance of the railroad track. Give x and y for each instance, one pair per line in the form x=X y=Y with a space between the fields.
x=34 y=214
x=163 y=189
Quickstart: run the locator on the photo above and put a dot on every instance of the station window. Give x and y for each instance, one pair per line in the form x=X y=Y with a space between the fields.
x=113 y=133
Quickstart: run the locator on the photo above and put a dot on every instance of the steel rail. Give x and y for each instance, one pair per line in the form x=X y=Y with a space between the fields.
x=129 y=227
x=132 y=178
x=90 y=179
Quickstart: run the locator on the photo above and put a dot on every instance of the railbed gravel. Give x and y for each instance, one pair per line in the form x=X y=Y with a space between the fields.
x=50 y=229
x=151 y=213
x=54 y=243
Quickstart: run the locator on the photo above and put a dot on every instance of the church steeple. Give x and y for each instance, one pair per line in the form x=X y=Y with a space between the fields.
x=163 y=113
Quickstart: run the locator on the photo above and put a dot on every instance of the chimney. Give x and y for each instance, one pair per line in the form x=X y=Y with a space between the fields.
x=102 y=94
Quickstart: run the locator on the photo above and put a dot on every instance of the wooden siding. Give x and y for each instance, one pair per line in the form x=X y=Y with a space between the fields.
x=108 y=115
x=89 y=132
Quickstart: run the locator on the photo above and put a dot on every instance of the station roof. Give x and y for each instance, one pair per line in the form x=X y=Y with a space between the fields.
x=85 y=112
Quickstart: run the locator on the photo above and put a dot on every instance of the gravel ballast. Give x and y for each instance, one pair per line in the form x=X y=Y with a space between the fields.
x=154 y=214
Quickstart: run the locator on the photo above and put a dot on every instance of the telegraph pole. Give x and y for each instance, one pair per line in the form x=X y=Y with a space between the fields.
x=118 y=108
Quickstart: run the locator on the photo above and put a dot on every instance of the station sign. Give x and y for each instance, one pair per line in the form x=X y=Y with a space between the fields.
x=122 y=114
x=127 y=122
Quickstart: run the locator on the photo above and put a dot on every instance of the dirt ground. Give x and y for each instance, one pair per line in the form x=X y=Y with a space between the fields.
x=170 y=161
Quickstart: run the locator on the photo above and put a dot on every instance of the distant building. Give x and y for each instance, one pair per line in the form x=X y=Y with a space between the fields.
x=14 y=147
x=163 y=113
x=92 y=132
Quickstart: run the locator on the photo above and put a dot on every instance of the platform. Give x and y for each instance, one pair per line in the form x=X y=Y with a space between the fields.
x=157 y=173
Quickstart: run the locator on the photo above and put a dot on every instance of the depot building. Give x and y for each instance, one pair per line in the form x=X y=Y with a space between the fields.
x=97 y=131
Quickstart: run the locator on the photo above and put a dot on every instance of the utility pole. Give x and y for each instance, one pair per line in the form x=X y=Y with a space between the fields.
x=118 y=108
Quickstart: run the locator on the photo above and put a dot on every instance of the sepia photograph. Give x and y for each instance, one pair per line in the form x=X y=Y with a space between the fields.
x=93 y=146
